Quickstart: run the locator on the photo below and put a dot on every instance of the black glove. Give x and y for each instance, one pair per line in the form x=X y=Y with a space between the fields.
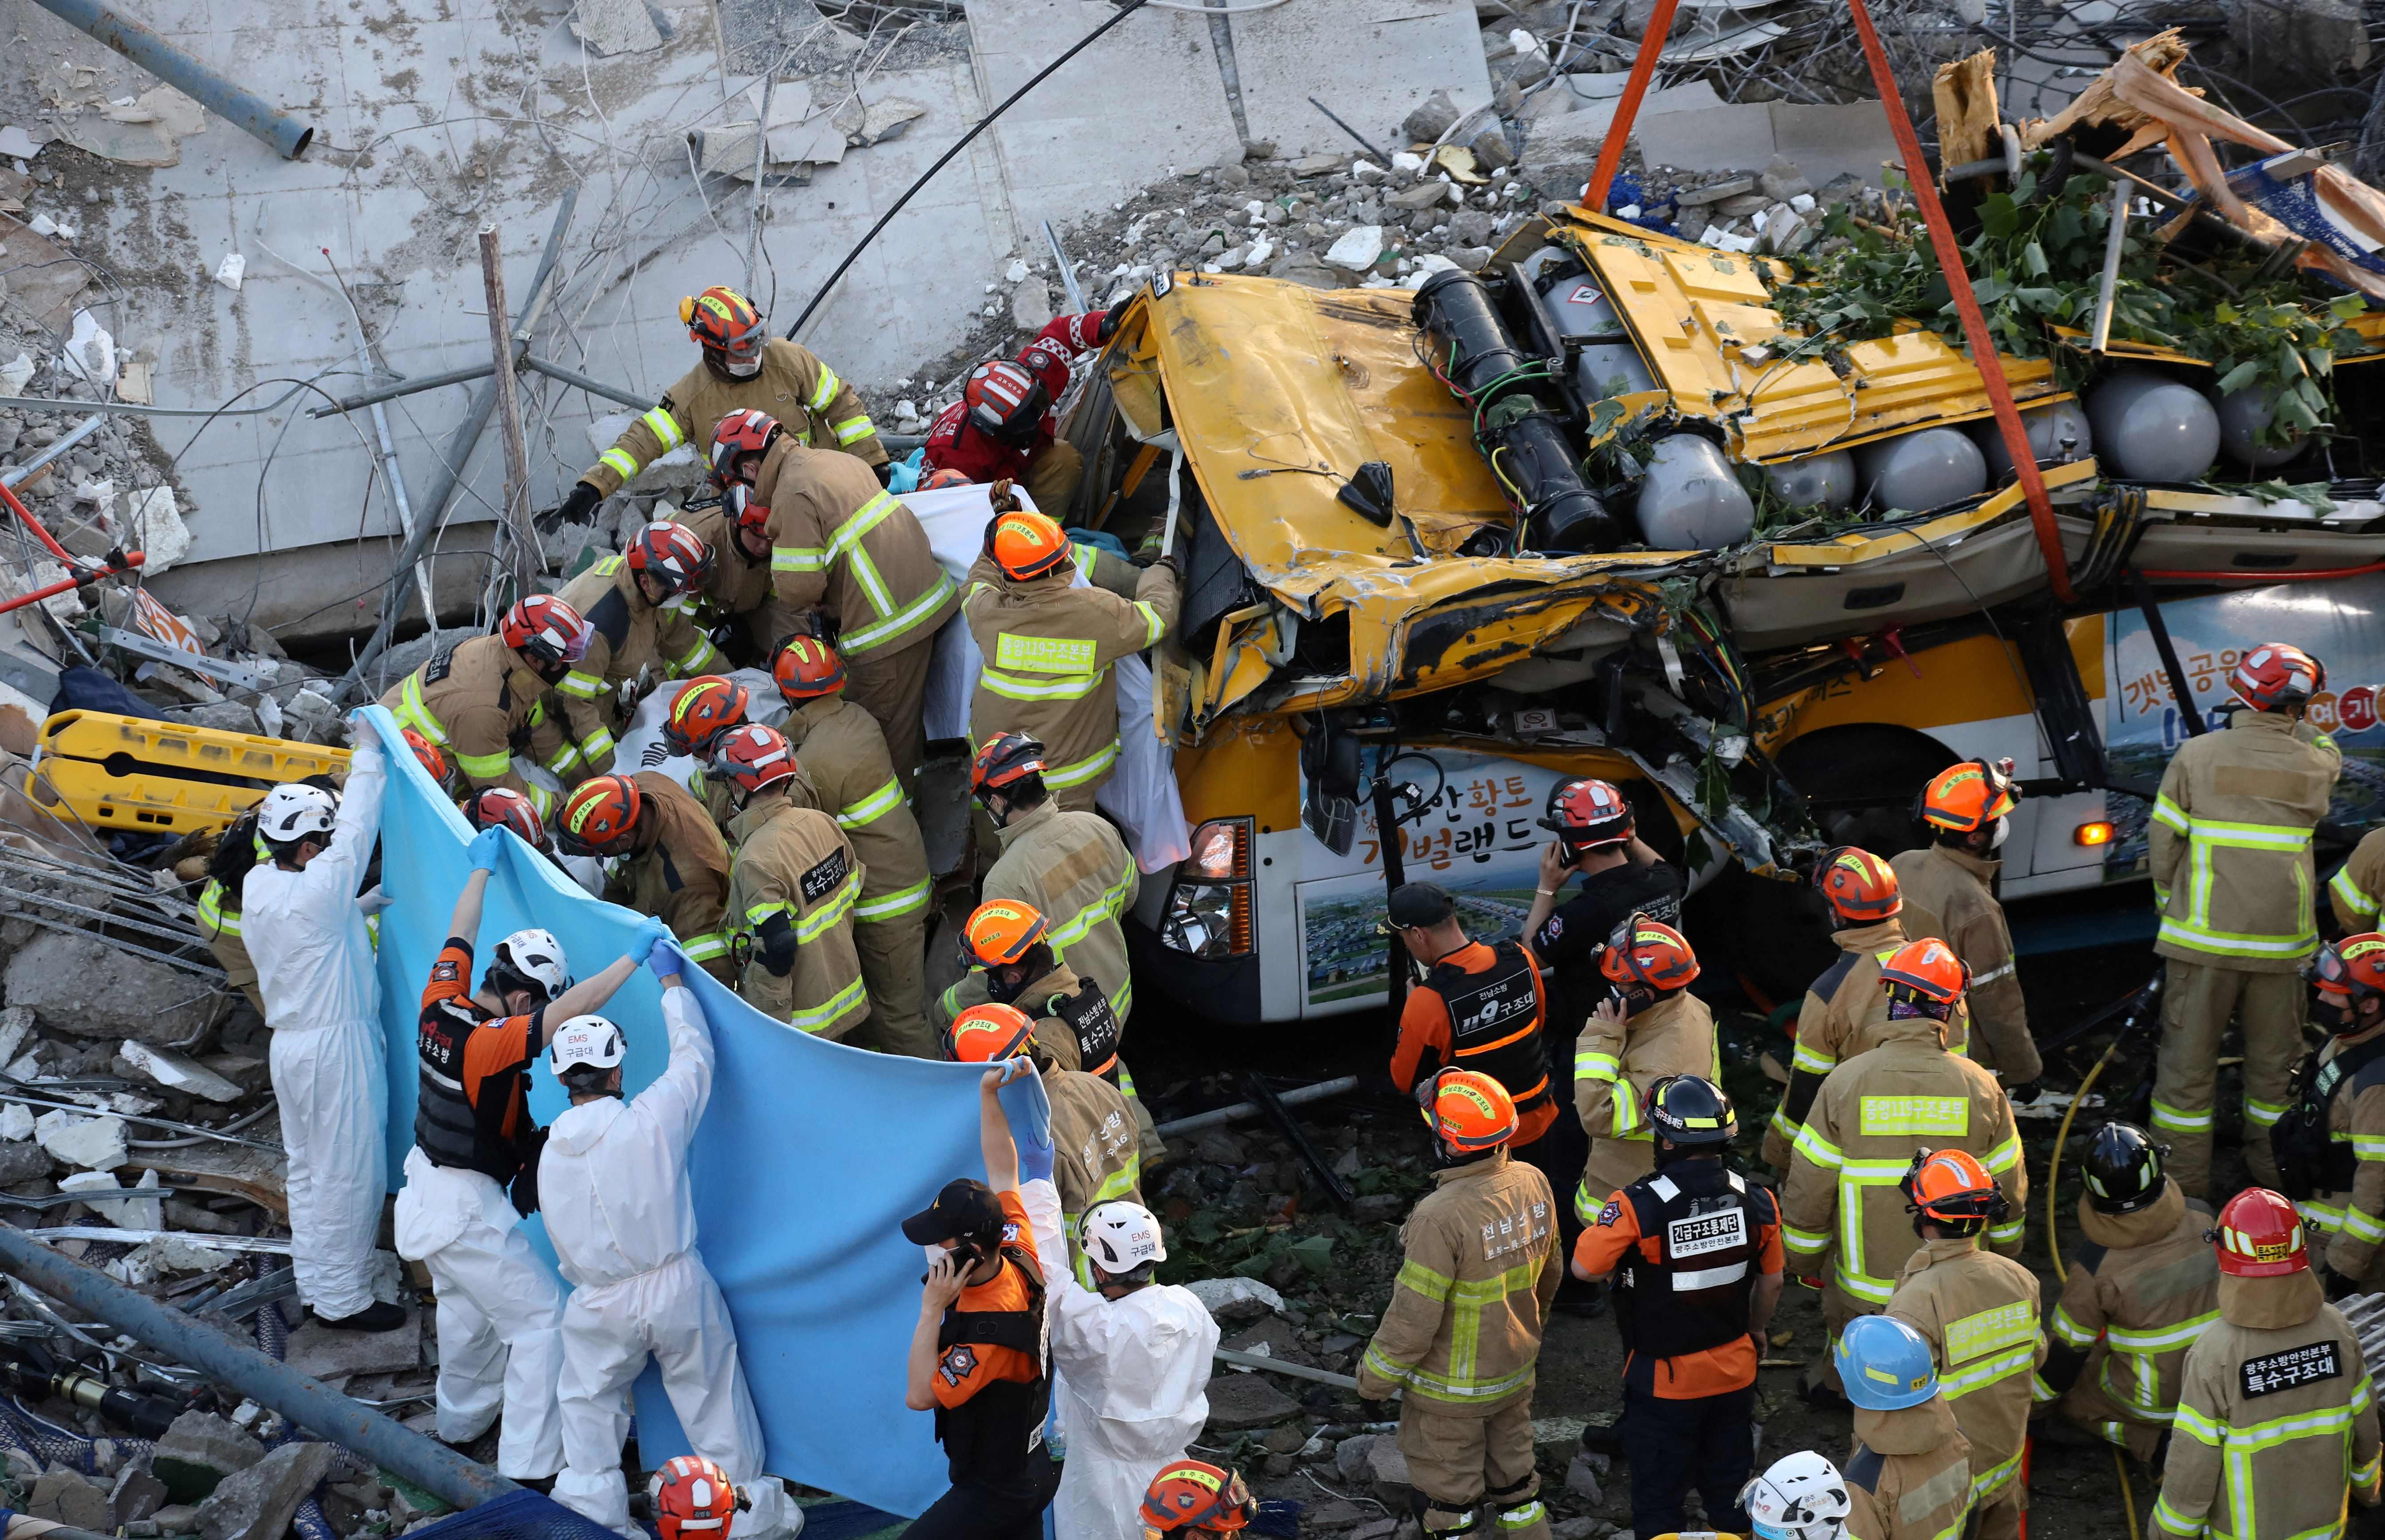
x=1110 y=320
x=574 y=509
x=2022 y=1094
x=885 y=469
x=2338 y=1285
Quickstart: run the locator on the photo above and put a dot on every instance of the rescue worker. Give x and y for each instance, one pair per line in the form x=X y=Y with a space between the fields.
x=2229 y=848
x=662 y=857
x=1845 y=1010
x=1842 y=1211
x=500 y=1313
x=500 y=806
x=1008 y=944
x=1801 y=1496
x=435 y=764
x=1977 y=1311
x=1698 y=1254
x=218 y=905
x=1480 y=1007
x=2342 y=1191
x=1004 y=427
x=1909 y=1474
x=704 y=711
x=742 y=365
x=2358 y=886
x=1462 y=1333
x=481 y=698
x=1195 y=1500
x=790 y=893
x=1048 y=646
x=2276 y=1419
x=1948 y=891
x=845 y=753
x=304 y=924
x=978 y=1357
x=635 y=607
x=1650 y=1026
x=731 y=607
x=846 y=549
x=613 y=1183
x=693 y=1499
x=1092 y=1131
x=2139 y=1291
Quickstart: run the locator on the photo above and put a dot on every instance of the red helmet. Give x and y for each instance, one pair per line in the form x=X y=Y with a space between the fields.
x=1589 y=815
x=2259 y=1237
x=723 y=320
x=434 y=762
x=2346 y=973
x=2274 y=675
x=707 y=707
x=503 y=805
x=1927 y=971
x=1005 y=401
x=544 y=627
x=692 y=1496
x=741 y=433
x=1644 y=951
x=671 y=555
x=1860 y=885
x=599 y=817
x=753 y=756
x=1004 y=759
x=1969 y=796
x=1192 y=1494
x=1025 y=545
x=988 y=1034
x=808 y=668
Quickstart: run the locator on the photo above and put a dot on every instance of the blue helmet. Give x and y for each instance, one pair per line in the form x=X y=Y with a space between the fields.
x=1885 y=1364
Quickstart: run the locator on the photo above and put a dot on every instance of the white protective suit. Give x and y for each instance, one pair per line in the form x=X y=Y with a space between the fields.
x=613 y=1186
x=314 y=963
x=1131 y=1377
x=499 y=1314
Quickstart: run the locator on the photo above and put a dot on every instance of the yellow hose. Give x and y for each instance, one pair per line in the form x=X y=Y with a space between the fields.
x=2127 y=1496
x=2054 y=1166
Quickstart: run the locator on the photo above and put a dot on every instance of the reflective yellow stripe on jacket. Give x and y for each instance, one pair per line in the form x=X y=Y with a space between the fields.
x=2354 y=900
x=2239 y=1445
x=211 y=910
x=412 y=713
x=1465 y=1302
x=2207 y=835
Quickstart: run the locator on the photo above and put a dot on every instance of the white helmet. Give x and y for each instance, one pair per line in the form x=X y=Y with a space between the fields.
x=295 y=810
x=1119 y=1235
x=590 y=1040
x=1801 y=1497
x=535 y=958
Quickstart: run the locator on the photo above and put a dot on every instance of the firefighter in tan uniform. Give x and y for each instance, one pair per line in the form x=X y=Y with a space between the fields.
x=1979 y=1313
x=846 y=756
x=743 y=367
x=1845 y=1010
x=2331 y=1144
x=479 y=699
x=2229 y=849
x=662 y=857
x=1048 y=646
x=626 y=601
x=791 y=889
x=1842 y=1210
x=735 y=594
x=1461 y=1336
x=1909 y=1474
x=2277 y=1421
x=704 y=711
x=2358 y=886
x=1649 y=1028
x=2139 y=1291
x=1948 y=892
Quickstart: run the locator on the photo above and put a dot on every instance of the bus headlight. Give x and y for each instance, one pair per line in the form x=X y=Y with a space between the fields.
x=1208 y=911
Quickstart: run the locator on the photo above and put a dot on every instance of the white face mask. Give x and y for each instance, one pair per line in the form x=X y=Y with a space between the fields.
x=1996 y=840
x=744 y=369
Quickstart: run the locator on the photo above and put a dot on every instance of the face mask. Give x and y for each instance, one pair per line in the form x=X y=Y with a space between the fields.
x=1006 y=985
x=742 y=368
x=2334 y=1015
x=1996 y=840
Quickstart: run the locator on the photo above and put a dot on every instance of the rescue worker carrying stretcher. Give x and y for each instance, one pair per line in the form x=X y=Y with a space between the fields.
x=1909 y=1474
x=481 y=698
x=791 y=889
x=662 y=857
x=1004 y=427
x=704 y=711
x=1948 y=891
x=2331 y=1144
x=635 y=607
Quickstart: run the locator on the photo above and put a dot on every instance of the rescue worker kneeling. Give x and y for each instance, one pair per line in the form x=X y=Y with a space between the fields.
x=1909 y=1475
x=1462 y=1333
x=2276 y=1419
x=790 y=893
x=1699 y=1254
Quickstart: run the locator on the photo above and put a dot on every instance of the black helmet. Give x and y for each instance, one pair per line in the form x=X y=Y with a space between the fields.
x=1691 y=1111
x=2123 y=1168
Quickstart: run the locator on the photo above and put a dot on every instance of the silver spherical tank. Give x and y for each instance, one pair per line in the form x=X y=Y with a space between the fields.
x=1816 y=481
x=2057 y=435
x=2242 y=414
x=1926 y=469
x=2152 y=429
x=1690 y=500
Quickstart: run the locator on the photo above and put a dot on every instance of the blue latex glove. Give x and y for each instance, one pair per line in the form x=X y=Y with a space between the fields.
x=1035 y=1148
x=482 y=850
x=664 y=957
x=651 y=932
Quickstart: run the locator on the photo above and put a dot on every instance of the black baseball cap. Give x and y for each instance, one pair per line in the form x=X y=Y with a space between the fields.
x=963 y=1209
x=1420 y=903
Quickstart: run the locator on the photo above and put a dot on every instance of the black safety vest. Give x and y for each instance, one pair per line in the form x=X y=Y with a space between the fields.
x=1707 y=1228
x=1494 y=1023
x=2311 y=1160
x=447 y=1126
x=990 y=1437
x=1089 y=1015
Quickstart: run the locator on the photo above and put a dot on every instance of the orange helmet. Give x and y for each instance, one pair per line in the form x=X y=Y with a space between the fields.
x=2259 y=1235
x=722 y=320
x=1926 y=973
x=1004 y=759
x=741 y=433
x=753 y=756
x=1860 y=885
x=707 y=707
x=434 y=762
x=1467 y=1109
x=1001 y=932
x=808 y=668
x=1025 y=545
x=1191 y=1493
x=599 y=817
x=1589 y=815
x=2274 y=675
x=671 y=555
x=947 y=477
x=1969 y=796
x=544 y=627
x=988 y=1034
x=692 y=1495
x=1645 y=952
x=1950 y=1187
x=502 y=804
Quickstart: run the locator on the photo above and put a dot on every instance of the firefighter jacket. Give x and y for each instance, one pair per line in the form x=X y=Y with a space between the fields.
x=792 y=890
x=737 y=585
x=1481 y=1007
x=2231 y=844
x=1077 y=873
x=1095 y=1151
x=2139 y=1293
x=1613 y=1065
x=476 y=700
x=1843 y=1206
x=627 y=634
x=1843 y=1016
x=219 y=914
x=1462 y=1333
x=2359 y=885
x=2354 y=1216
x=843 y=751
x=678 y=872
x=1048 y=646
x=1909 y=1474
x=1979 y=1312
x=814 y=405
x=839 y=540
x=1947 y=895
x=2276 y=1419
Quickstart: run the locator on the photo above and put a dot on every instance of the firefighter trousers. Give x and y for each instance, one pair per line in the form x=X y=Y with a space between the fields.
x=894 y=969
x=891 y=684
x=2197 y=1001
x=1708 y=1442
x=1053 y=480
x=1839 y=1307
x=2086 y=1405
x=1457 y=1462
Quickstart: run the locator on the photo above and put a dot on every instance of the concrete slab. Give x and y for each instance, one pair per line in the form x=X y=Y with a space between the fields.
x=1372 y=61
x=1828 y=141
